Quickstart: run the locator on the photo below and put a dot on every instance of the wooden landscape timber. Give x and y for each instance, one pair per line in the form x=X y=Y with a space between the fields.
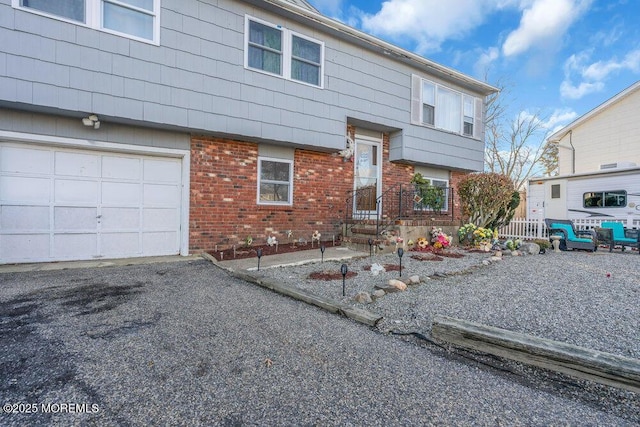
x=604 y=368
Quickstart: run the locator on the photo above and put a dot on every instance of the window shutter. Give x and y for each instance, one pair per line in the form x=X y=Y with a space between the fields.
x=478 y=128
x=416 y=99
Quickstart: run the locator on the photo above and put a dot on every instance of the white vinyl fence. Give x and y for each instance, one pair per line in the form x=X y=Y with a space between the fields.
x=529 y=229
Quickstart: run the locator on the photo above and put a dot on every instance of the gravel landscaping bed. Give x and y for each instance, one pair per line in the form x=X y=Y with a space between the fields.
x=581 y=298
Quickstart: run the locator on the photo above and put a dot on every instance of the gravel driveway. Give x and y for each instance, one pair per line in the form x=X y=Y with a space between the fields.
x=185 y=344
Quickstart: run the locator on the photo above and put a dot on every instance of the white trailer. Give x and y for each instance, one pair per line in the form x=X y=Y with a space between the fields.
x=611 y=193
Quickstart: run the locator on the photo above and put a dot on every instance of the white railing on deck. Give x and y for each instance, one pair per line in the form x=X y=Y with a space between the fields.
x=528 y=229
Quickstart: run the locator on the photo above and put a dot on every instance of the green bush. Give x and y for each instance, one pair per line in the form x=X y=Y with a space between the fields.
x=488 y=199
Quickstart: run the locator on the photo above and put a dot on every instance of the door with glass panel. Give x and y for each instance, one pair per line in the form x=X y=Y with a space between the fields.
x=367 y=175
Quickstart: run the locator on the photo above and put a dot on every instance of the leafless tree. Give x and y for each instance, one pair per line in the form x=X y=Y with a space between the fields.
x=514 y=146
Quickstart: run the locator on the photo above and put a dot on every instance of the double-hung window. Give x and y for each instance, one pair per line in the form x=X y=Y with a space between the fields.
x=435 y=105
x=137 y=19
x=279 y=51
x=265 y=48
x=275 y=181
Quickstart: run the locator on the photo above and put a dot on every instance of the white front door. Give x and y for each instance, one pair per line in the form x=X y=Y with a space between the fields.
x=64 y=204
x=367 y=174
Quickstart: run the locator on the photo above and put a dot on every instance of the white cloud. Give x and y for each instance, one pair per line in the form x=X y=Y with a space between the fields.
x=570 y=91
x=559 y=118
x=427 y=22
x=592 y=76
x=602 y=69
x=483 y=64
x=543 y=24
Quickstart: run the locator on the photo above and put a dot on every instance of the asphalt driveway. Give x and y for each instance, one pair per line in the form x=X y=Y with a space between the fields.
x=185 y=344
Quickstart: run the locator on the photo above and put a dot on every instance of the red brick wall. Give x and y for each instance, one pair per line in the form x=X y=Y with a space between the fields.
x=224 y=210
x=453 y=182
x=223 y=207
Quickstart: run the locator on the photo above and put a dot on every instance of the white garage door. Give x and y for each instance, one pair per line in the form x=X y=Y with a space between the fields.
x=59 y=204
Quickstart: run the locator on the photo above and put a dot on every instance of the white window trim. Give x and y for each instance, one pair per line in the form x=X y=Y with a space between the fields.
x=287 y=45
x=445 y=208
x=93 y=18
x=274 y=159
x=417 y=116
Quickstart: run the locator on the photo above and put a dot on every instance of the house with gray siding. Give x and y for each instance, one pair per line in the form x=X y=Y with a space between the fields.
x=156 y=127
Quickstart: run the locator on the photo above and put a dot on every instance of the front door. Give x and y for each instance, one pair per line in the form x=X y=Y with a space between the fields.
x=367 y=174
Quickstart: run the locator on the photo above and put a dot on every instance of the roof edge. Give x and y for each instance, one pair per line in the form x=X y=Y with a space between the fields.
x=393 y=50
x=557 y=136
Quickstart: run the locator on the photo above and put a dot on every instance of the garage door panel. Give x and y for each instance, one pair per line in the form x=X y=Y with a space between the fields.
x=160 y=243
x=162 y=170
x=120 y=193
x=120 y=244
x=74 y=246
x=25 y=160
x=24 y=218
x=161 y=195
x=77 y=164
x=120 y=219
x=74 y=191
x=25 y=189
x=160 y=219
x=75 y=218
x=24 y=247
x=114 y=167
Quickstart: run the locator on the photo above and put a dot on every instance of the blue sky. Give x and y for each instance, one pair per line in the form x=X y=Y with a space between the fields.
x=557 y=58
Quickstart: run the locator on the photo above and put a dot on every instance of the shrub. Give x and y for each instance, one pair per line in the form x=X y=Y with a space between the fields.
x=488 y=199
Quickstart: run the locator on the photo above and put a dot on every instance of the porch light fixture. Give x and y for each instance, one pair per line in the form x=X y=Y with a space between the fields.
x=91 y=121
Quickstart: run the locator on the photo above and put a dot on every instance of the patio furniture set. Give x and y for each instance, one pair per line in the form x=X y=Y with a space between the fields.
x=610 y=233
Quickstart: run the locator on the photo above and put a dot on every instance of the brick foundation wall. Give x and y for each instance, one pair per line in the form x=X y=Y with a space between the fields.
x=223 y=193
x=223 y=206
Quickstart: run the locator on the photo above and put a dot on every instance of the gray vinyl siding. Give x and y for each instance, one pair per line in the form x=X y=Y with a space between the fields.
x=195 y=81
x=48 y=125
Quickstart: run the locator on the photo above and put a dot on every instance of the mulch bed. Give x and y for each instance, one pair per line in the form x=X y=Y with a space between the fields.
x=243 y=252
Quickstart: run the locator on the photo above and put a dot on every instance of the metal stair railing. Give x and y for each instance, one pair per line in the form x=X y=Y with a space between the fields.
x=401 y=201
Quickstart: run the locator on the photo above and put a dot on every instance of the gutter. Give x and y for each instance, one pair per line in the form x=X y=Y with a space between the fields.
x=386 y=47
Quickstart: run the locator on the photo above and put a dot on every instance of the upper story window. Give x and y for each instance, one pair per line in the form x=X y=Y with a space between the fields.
x=133 y=18
x=441 y=107
x=282 y=52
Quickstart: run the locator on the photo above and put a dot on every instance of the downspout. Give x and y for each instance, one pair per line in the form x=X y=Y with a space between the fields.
x=573 y=153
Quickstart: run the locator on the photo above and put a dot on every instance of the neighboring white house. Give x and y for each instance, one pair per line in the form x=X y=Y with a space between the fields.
x=598 y=164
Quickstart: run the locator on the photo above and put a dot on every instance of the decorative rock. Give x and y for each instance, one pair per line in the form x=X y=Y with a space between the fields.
x=498 y=254
x=495 y=259
x=379 y=293
x=530 y=248
x=376 y=269
x=486 y=262
x=414 y=280
x=394 y=285
x=363 y=298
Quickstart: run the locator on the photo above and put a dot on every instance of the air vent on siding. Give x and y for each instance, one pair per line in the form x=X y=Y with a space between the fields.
x=617 y=165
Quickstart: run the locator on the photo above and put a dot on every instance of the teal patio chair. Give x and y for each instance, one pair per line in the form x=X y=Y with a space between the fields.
x=570 y=237
x=614 y=233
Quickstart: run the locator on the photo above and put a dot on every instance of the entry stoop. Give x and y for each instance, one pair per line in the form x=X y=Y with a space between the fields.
x=358 y=233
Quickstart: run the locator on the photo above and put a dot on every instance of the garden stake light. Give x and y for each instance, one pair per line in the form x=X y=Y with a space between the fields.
x=343 y=270
x=259 y=253
x=400 y=253
x=322 y=248
x=370 y=241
